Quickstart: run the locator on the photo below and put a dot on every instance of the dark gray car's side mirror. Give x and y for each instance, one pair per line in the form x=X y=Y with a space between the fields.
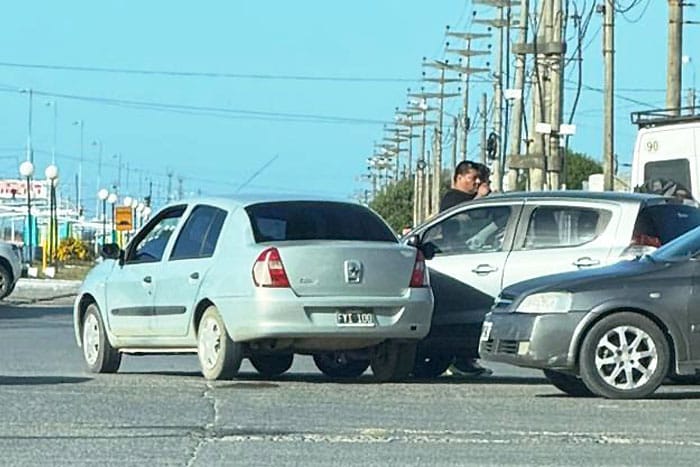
x=112 y=251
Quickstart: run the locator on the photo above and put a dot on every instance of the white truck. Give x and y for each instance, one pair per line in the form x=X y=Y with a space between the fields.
x=667 y=152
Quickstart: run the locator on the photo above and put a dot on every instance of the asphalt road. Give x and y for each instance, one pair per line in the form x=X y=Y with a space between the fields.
x=159 y=411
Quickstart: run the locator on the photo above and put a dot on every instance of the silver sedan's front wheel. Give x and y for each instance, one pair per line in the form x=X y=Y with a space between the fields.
x=624 y=356
x=98 y=353
x=219 y=356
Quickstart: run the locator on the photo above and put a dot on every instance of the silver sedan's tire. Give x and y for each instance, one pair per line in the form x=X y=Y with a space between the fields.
x=338 y=365
x=624 y=356
x=98 y=353
x=219 y=356
x=392 y=361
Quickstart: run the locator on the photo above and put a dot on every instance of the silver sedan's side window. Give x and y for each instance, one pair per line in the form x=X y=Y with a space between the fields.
x=562 y=226
x=150 y=245
x=476 y=230
x=199 y=235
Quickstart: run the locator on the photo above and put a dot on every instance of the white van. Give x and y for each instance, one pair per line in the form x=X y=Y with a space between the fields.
x=666 y=153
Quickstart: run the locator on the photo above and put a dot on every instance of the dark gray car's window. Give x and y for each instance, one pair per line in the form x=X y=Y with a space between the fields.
x=151 y=242
x=563 y=226
x=316 y=220
x=198 y=236
x=475 y=230
x=661 y=223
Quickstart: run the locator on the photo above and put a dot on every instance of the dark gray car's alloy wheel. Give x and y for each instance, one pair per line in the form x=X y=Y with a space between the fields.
x=272 y=364
x=624 y=356
x=337 y=365
x=569 y=384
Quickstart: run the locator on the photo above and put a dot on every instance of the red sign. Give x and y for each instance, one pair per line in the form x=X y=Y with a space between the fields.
x=18 y=189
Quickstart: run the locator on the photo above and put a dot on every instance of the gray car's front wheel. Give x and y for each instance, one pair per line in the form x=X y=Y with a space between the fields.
x=219 y=356
x=98 y=353
x=6 y=285
x=624 y=356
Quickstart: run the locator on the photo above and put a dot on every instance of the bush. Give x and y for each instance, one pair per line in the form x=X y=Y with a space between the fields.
x=72 y=249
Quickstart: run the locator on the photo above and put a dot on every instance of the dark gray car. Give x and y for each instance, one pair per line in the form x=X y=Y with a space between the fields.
x=616 y=331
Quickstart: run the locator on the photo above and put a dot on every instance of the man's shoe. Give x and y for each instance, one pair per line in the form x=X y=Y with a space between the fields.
x=469 y=368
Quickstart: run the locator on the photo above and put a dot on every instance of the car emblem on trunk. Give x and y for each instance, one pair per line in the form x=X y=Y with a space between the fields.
x=353 y=271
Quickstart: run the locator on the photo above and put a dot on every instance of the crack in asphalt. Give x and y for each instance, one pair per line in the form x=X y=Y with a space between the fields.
x=208 y=433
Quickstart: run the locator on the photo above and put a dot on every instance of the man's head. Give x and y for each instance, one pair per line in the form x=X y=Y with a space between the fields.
x=466 y=177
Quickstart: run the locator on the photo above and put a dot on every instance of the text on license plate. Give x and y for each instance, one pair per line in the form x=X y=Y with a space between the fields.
x=486 y=331
x=354 y=318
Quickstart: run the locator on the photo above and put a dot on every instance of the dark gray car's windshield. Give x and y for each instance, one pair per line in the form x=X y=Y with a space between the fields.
x=316 y=220
x=684 y=247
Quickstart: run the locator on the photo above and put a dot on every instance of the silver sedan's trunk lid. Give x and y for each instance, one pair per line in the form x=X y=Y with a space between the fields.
x=351 y=268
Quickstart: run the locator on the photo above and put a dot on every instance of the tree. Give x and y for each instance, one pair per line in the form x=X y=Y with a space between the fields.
x=395 y=204
x=578 y=167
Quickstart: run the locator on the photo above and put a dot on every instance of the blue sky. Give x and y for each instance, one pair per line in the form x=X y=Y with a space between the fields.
x=309 y=38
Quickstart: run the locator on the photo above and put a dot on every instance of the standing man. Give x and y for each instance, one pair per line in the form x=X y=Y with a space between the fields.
x=467 y=184
x=470 y=181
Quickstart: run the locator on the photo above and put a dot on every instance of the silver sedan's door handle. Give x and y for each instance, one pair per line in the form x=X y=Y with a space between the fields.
x=586 y=262
x=484 y=269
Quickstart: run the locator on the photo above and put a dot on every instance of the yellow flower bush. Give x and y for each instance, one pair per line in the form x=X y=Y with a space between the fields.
x=72 y=249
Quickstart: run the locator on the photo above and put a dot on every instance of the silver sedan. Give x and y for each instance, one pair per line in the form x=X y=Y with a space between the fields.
x=260 y=278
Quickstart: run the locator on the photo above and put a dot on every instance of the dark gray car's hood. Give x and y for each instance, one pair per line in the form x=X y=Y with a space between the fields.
x=598 y=278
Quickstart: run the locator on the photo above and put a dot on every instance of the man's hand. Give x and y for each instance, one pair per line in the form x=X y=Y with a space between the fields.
x=483 y=190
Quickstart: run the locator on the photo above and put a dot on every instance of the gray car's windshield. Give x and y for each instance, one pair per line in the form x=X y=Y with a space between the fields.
x=684 y=247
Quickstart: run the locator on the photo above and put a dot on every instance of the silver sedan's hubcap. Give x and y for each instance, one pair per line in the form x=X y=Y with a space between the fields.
x=626 y=357
x=91 y=339
x=209 y=347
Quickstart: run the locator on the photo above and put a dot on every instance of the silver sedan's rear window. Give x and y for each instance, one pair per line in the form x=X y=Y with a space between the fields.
x=316 y=220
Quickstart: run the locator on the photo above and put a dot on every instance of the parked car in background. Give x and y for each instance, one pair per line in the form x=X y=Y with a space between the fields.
x=616 y=332
x=482 y=246
x=10 y=267
x=260 y=278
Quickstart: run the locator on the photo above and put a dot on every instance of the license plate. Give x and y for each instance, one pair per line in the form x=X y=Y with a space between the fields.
x=486 y=331
x=355 y=318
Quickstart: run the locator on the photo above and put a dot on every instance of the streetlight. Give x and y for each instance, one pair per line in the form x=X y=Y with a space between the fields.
x=112 y=199
x=54 y=105
x=103 y=194
x=30 y=153
x=97 y=143
x=51 y=173
x=26 y=170
x=79 y=189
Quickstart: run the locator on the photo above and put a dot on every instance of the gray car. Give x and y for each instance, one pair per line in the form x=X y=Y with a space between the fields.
x=260 y=278
x=10 y=267
x=616 y=332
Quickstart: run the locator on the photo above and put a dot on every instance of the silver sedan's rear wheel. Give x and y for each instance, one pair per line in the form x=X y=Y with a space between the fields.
x=338 y=365
x=624 y=356
x=392 y=361
x=219 y=356
x=273 y=364
x=98 y=353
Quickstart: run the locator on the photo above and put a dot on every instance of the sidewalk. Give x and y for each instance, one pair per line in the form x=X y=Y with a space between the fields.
x=38 y=290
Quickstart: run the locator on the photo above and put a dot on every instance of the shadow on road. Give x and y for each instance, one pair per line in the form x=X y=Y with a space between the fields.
x=39 y=380
x=32 y=312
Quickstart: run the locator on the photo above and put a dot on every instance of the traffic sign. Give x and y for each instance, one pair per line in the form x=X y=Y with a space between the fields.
x=123 y=219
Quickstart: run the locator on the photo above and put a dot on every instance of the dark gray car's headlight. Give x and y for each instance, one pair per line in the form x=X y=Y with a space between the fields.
x=546 y=302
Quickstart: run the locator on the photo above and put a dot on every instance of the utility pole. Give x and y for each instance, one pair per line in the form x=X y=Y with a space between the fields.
x=170 y=185
x=538 y=159
x=180 y=188
x=428 y=179
x=455 y=139
x=441 y=95
x=556 y=67
x=404 y=118
x=516 y=132
x=675 y=52
x=609 y=108
x=484 y=126
x=466 y=72
x=420 y=187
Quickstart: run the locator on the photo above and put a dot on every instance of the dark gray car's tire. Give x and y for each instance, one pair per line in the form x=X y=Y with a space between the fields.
x=6 y=285
x=568 y=384
x=431 y=366
x=219 y=356
x=393 y=361
x=270 y=365
x=98 y=353
x=624 y=356
x=337 y=365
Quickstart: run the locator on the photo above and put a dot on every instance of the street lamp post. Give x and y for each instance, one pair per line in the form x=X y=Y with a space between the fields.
x=98 y=144
x=26 y=170
x=79 y=188
x=112 y=199
x=30 y=152
x=51 y=173
x=103 y=194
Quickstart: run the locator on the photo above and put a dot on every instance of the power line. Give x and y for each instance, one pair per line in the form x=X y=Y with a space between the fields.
x=210 y=74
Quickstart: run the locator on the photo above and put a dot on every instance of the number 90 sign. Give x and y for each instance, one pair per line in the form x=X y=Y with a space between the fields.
x=652 y=146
